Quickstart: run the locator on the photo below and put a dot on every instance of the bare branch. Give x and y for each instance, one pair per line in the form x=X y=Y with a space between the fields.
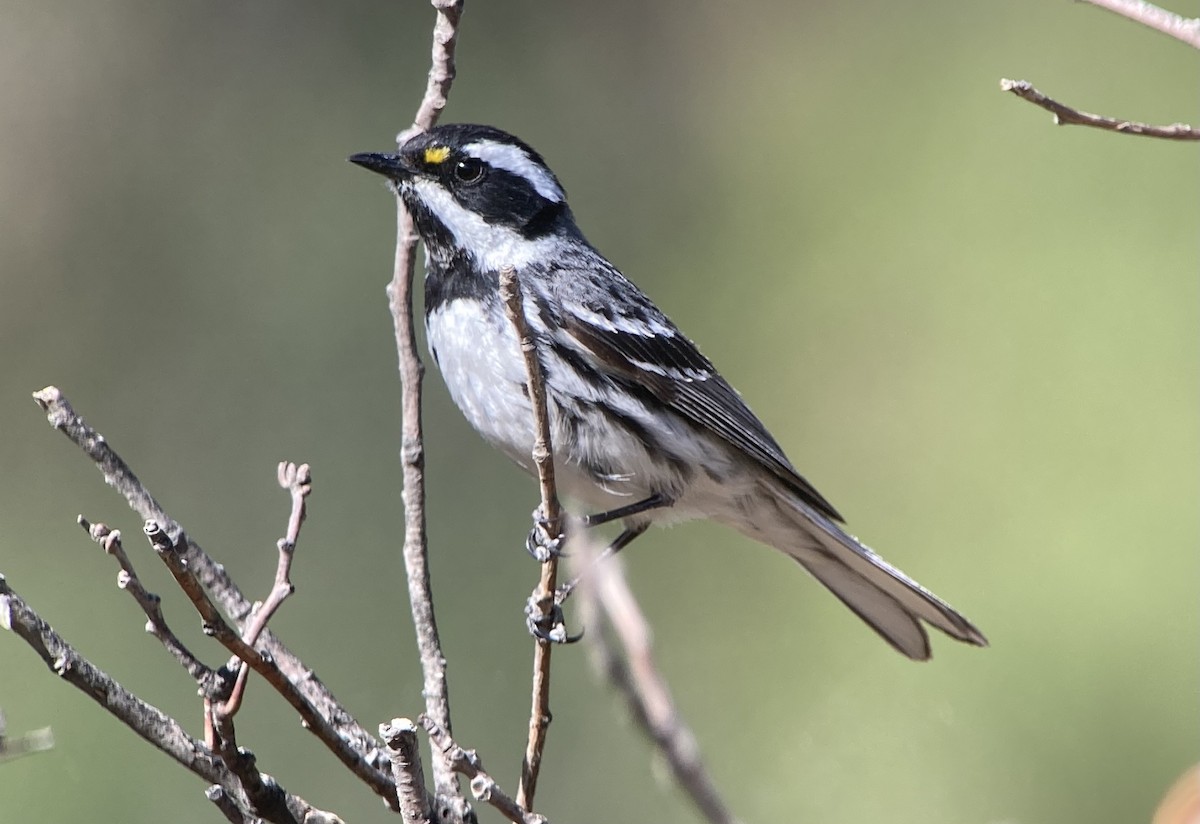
x=1066 y=116
x=228 y=807
x=606 y=594
x=211 y=575
x=412 y=371
x=483 y=786
x=400 y=738
x=147 y=721
x=127 y=579
x=543 y=459
x=151 y=723
x=1186 y=30
x=264 y=665
x=266 y=798
x=297 y=480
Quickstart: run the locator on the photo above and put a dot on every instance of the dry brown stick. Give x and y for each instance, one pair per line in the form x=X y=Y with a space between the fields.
x=211 y=575
x=551 y=515
x=149 y=722
x=606 y=594
x=1064 y=115
x=483 y=786
x=1186 y=30
x=412 y=454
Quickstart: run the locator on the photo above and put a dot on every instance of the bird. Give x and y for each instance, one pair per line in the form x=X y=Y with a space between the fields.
x=644 y=429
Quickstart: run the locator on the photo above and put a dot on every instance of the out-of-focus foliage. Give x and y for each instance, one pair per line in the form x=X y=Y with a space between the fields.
x=974 y=332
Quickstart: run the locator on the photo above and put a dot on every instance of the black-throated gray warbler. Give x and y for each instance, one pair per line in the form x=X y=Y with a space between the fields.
x=642 y=424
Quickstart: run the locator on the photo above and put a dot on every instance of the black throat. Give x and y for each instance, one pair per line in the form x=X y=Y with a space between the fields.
x=455 y=277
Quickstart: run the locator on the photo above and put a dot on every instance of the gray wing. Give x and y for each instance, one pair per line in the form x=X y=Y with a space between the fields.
x=630 y=340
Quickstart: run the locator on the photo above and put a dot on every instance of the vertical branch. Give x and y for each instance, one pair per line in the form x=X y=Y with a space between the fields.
x=543 y=458
x=433 y=662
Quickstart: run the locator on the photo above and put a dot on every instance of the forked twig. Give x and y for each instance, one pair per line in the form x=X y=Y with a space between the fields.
x=151 y=723
x=297 y=480
x=483 y=786
x=156 y=624
x=334 y=724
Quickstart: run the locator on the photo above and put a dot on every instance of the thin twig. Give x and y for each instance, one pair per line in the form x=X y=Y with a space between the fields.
x=149 y=722
x=606 y=594
x=297 y=480
x=1186 y=30
x=400 y=740
x=156 y=624
x=1064 y=115
x=212 y=576
x=483 y=786
x=543 y=459
x=433 y=662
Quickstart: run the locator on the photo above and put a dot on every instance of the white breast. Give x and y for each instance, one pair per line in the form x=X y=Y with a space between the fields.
x=480 y=362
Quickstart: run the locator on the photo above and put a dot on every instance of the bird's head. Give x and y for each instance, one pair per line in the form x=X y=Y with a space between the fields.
x=473 y=188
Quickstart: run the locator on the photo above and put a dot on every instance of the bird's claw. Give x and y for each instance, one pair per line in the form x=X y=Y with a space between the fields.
x=540 y=543
x=545 y=620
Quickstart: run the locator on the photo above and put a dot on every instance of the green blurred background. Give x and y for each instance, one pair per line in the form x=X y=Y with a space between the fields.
x=973 y=331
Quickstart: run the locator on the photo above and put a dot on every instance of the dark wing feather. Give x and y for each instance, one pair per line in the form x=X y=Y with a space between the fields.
x=643 y=347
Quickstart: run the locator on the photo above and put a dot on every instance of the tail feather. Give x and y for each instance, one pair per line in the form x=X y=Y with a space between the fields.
x=880 y=611
x=885 y=598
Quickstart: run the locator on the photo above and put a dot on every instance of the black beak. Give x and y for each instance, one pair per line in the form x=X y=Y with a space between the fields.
x=391 y=166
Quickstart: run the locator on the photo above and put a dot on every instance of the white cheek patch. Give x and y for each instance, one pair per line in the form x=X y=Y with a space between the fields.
x=492 y=246
x=515 y=160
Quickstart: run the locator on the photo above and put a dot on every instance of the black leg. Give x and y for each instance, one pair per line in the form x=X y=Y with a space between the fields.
x=655 y=501
x=620 y=542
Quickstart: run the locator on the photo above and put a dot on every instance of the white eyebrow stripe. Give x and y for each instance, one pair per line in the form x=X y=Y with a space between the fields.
x=515 y=160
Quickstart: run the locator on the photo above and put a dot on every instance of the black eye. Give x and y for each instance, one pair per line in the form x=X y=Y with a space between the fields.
x=469 y=170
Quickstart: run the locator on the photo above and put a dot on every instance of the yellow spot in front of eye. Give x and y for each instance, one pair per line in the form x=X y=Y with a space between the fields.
x=436 y=154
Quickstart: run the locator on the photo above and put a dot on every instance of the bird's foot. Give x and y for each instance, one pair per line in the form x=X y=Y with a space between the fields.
x=544 y=618
x=540 y=543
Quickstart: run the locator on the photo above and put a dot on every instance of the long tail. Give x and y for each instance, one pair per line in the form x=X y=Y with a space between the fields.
x=890 y=602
